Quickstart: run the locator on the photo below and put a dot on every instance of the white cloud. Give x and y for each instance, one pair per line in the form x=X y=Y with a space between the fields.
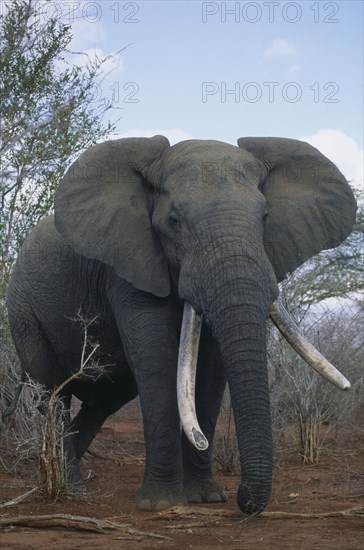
x=294 y=70
x=173 y=134
x=343 y=151
x=281 y=48
x=86 y=34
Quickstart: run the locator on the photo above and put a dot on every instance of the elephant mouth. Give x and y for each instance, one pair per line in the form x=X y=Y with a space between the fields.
x=187 y=363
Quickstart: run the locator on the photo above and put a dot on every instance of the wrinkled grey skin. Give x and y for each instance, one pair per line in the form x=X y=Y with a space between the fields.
x=140 y=227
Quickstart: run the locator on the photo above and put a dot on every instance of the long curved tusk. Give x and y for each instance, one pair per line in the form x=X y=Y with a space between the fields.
x=294 y=336
x=186 y=376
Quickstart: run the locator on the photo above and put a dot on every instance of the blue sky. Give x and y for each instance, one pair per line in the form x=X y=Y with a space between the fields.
x=221 y=70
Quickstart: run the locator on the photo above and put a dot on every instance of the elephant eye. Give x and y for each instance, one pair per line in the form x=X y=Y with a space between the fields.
x=265 y=216
x=174 y=220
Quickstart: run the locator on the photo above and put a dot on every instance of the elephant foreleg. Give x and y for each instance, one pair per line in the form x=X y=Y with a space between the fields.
x=149 y=333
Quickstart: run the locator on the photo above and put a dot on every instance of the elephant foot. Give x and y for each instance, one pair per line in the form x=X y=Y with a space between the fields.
x=77 y=490
x=74 y=481
x=154 y=497
x=206 y=491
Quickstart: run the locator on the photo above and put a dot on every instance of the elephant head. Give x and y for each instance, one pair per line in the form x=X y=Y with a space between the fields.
x=221 y=225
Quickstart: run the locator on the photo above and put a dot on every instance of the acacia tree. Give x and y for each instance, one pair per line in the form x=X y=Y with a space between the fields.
x=47 y=116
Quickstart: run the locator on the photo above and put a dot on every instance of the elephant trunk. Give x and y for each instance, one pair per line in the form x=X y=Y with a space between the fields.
x=241 y=333
x=235 y=298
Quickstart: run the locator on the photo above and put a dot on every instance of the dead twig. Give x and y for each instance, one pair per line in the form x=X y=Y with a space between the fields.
x=79 y=523
x=18 y=499
x=187 y=526
x=182 y=511
x=348 y=513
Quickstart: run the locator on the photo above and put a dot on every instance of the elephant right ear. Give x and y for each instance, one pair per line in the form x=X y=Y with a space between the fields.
x=309 y=202
x=101 y=210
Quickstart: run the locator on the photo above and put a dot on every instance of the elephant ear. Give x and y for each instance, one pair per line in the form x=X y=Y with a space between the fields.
x=310 y=204
x=101 y=210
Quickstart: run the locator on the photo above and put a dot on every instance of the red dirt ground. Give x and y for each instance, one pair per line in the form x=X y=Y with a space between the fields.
x=116 y=470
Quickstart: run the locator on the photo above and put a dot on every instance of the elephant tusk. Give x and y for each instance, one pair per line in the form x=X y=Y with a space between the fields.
x=294 y=336
x=186 y=376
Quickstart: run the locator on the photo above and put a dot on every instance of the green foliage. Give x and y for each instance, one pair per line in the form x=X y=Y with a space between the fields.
x=47 y=116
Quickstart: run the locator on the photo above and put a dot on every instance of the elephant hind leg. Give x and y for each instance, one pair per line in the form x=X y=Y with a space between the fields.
x=85 y=426
x=36 y=354
x=90 y=418
x=39 y=361
x=74 y=477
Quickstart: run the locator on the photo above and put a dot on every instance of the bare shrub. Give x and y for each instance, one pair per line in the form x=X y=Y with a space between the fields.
x=20 y=432
x=34 y=435
x=20 y=435
x=304 y=400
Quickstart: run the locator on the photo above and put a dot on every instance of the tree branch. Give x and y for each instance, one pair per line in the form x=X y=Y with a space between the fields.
x=81 y=523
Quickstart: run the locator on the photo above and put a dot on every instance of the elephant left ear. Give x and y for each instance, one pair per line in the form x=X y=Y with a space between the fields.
x=310 y=204
x=102 y=211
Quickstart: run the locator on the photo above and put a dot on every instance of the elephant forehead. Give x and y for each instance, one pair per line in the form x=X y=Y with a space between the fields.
x=204 y=150
x=210 y=163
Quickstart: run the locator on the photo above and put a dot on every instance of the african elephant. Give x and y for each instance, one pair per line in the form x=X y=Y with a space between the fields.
x=165 y=242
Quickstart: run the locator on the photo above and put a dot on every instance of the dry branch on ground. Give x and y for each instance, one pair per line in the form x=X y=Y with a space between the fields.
x=18 y=499
x=79 y=523
x=182 y=511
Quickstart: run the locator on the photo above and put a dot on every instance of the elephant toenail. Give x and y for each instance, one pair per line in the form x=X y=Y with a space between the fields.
x=162 y=505
x=196 y=497
x=213 y=497
x=144 y=505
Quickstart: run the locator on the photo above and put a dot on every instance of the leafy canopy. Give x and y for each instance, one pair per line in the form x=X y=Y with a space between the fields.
x=48 y=115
